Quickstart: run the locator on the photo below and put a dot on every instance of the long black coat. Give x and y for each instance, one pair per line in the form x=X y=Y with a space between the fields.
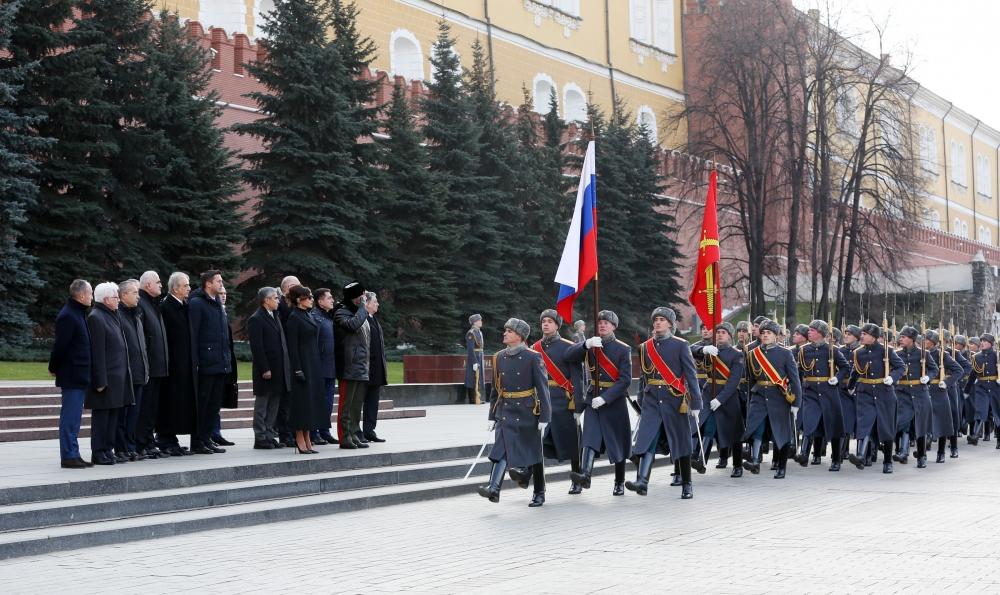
x=820 y=401
x=308 y=403
x=377 y=367
x=179 y=396
x=607 y=428
x=560 y=440
x=729 y=416
x=156 y=338
x=874 y=402
x=269 y=353
x=210 y=335
x=913 y=402
x=516 y=436
x=70 y=358
x=327 y=341
x=769 y=403
x=135 y=340
x=109 y=361
x=661 y=405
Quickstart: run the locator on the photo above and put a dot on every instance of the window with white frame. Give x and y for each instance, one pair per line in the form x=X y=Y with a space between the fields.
x=846 y=109
x=985 y=235
x=960 y=228
x=652 y=22
x=647 y=119
x=574 y=103
x=984 y=181
x=932 y=218
x=928 y=149
x=957 y=158
x=541 y=92
x=405 y=58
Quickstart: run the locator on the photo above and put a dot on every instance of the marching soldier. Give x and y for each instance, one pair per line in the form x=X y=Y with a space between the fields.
x=606 y=424
x=970 y=390
x=913 y=401
x=874 y=398
x=519 y=414
x=823 y=368
x=958 y=401
x=670 y=393
x=729 y=376
x=983 y=383
x=475 y=382
x=565 y=393
x=800 y=338
x=852 y=338
x=950 y=374
x=774 y=398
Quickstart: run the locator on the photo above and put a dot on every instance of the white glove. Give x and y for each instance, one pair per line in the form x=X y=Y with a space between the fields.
x=696 y=413
x=943 y=385
x=852 y=391
x=998 y=380
x=597 y=403
x=710 y=350
x=594 y=342
x=925 y=379
x=576 y=417
x=715 y=404
x=475 y=367
x=887 y=381
x=795 y=410
x=833 y=381
x=542 y=425
x=491 y=426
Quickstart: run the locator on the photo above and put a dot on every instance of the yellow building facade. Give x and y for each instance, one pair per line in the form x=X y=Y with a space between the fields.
x=581 y=49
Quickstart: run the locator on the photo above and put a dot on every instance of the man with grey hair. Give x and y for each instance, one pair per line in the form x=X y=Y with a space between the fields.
x=150 y=291
x=70 y=364
x=271 y=372
x=138 y=363
x=178 y=398
x=111 y=379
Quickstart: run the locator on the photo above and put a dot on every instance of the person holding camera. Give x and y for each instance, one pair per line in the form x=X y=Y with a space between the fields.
x=354 y=332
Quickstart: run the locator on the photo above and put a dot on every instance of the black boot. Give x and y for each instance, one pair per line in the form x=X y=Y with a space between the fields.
x=836 y=453
x=818 y=447
x=675 y=479
x=737 y=462
x=987 y=430
x=858 y=459
x=845 y=447
x=782 y=453
x=537 y=499
x=574 y=487
x=492 y=491
x=802 y=458
x=903 y=456
x=887 y=449
x=641 y=484
x=975 y=433
x=697 y=460
x=619 y=489
x=520 y=475
x=723 y=458
x=954 y=446
x=586 y=468
x=922 y=452
x=774 y=458
x=687 y=490
x=753 y=465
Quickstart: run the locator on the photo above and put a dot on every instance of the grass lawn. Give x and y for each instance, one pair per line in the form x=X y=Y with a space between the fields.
x=40 y=371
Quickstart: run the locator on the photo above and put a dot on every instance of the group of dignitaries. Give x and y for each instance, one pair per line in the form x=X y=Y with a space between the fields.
x=153 y=365
x=743 y=390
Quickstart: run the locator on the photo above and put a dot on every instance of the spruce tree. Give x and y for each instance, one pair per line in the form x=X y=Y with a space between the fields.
x=18 y=278
x=425 y=237
x=303 y=225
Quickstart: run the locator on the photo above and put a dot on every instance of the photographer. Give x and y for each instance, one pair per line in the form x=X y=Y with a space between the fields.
x=353 y=360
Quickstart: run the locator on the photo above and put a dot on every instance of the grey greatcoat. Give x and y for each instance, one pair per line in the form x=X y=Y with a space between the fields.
x=661 y=404
x=875 y=403
x=957 y=390
x=609 y=427
x=730 y=392
x=983 y=384
x=846 y=398
x=767 y=402
x=942 y=419
x=913 y=402
x=520 y=401
x=560 y=440
x=821 y=402
x=474 y=355
x=109 y=361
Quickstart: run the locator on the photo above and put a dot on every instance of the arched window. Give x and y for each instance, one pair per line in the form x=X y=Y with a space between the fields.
x=928 y=149
x=933 y=219
x=405 y=58
x=574 y=104
x=542 y=88
x=230 y=15
x=984 y=181
x=958 y=169
x=260 y=8
x=647 y=119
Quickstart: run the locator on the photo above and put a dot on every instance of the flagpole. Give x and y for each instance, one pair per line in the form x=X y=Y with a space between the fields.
x=597 y=281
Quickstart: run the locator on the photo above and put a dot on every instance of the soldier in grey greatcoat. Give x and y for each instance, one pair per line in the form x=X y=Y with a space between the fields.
x=984 y=386
x=874 y=397
x=940 y=388
x=519 y=414
x=821 y=412
x=475 y=382
x=913 y=403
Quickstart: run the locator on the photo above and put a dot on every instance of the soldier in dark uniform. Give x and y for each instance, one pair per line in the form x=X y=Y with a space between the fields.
x=913 y=401
x=519 y=414
x=821 y=409
x=800 y=338
x=942 y=421
x=606 y=424
x=774 y=398
x=475 y=381
x=874 y=397
x=561 y=439
x=983 y=383
x=670 y=398
x=729 y=378
x=707 y=354
x=851 y=337
x=958 y=401
x=969 y=388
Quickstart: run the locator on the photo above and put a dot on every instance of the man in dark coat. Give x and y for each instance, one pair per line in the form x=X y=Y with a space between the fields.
x=727 y=373
x=606 y=424
x=111 y=380
x=561 y=440
x=323 y=315
x=984 y=385
x=377 y=376
x=852 y=338
x=950 y=373
x=179 y=397
x=671 y=401
x=874 y=397
x=138 y=363
x=913 y=402
x=353 y=360
x=519 y=412
x=958 y=401
x=212 y=358
x=150 y=291
x=475 y=380
x=70 y=364
x=823 y=368
x=271 y=372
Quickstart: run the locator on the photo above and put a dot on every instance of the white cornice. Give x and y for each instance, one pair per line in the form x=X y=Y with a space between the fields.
x=931 y=102
x=962 y=120
x=954 y=206
x=987 y=135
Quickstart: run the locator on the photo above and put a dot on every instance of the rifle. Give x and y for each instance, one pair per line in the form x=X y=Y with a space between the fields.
x=885 y=331
x=941 y=355
x=923 y=358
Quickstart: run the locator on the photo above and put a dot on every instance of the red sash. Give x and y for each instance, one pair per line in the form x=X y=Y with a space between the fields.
x=661 y=366
x=554 y=372
x=721 y=368
x=768 y=368
x=607 y=365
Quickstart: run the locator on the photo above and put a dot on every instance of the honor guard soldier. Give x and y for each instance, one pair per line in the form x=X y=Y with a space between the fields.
x=519 y=414
x=701 y=362
x=874 y=397
x=970 y=391
x=475 y=382
x=852 y=340
x=670 y=399
x=755 y=339
x=949 y=374
x=606 y=424
x=800 y=337
x=958 y=401
x=774 y=398
x=984 y=385
x=823 y=368
x=728 y=375
x=561 y=440
x=913 y=401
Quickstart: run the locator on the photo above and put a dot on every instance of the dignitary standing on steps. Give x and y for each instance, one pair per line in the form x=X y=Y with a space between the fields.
x=307 y=406
x=561 y=439
x=110 y=381
x=606 y=424
x=138 y=363
x=823 y=368
x=775 y=395
x=179 y=401
x=913 y=403
x=984 y=386
x=874 y=397
x=726 y=374
x=271 y=370
x=322 y=313
x=377 y=375
x=212 y=358
x=150 y=292
x=670 y=397
x=70 y=364
x=519 y=413
x=475 y=382
x=353 y=361
x=949 y=374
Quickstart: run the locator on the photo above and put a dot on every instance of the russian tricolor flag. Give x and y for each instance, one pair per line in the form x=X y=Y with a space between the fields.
x=579 y=258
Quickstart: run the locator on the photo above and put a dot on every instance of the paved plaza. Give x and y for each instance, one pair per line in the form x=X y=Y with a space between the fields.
x=931 y=530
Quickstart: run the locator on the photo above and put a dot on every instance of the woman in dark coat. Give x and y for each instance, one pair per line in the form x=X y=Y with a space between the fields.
x=307 y=406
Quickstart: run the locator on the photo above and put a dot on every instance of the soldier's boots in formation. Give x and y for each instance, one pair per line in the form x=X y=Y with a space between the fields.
x=752 y=462
x=582 y=478
x=902 y=457
x=802 y=457
x=887 y=452
x=641 y=484
x=492 y=491
x=859 y=458
x=619 y=489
